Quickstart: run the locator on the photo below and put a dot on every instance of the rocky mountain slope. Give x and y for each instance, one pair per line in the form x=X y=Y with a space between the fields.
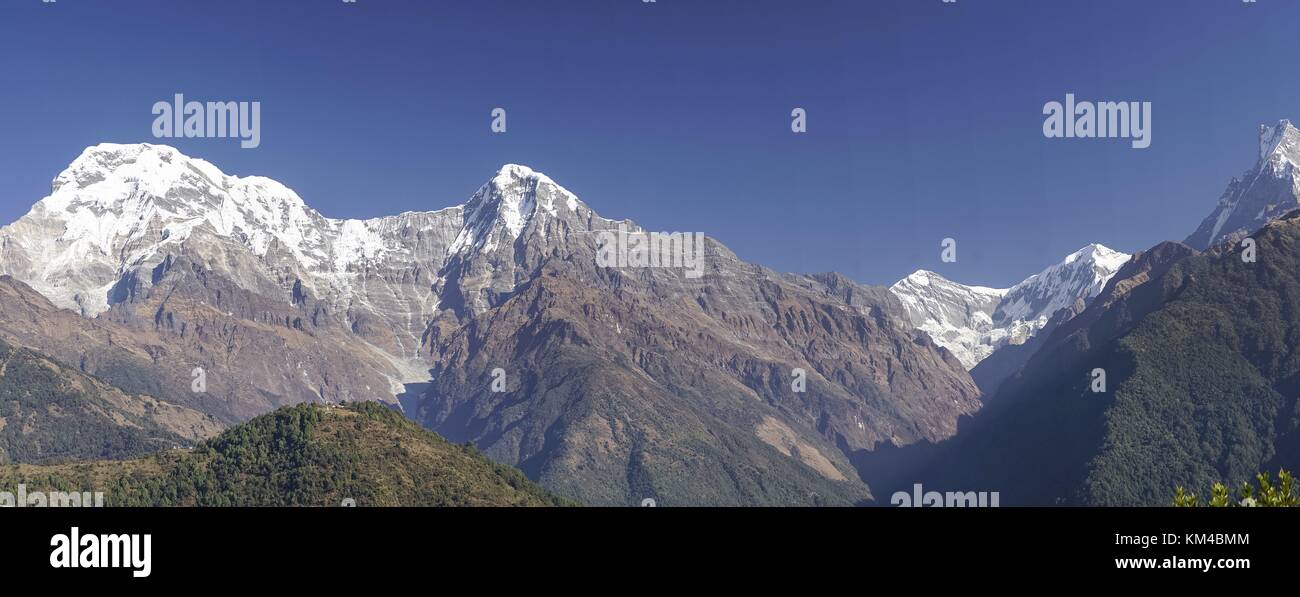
x=627 y=383
x=145 y=266
x=50 y=412
x=684 y=394
x=974 y=321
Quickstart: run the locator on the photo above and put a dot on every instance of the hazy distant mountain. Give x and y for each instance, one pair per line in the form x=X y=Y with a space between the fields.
x=975 y=321
x=1268 y=190
x=619 y=383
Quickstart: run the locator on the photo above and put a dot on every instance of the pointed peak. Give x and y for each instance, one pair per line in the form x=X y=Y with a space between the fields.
x=516 y=172
x=1275 y=138
x=1097 y=257
x=921 y=277
x=505 y=184
x=1094 y=252
x=517 y=187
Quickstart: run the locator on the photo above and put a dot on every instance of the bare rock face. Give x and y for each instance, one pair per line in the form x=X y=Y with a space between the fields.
x=621 y=383
x=494 y=322
x=193 y=352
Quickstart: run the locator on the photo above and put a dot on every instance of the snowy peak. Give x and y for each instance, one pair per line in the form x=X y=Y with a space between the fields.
x=1279 y=143
x=511 y=173
x=147 y=181
x=159 y=172
x=1267 y=191
x=955 y=316
x=98 y=162
x=122 y=207
x=146 y=196
x=974 y=321
x=937 y=284
x=509 y=199
x=1094 y=253
x=498 y=214
x=1081 y=275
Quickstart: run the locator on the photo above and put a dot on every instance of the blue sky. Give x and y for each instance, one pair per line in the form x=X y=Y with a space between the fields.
x=924 y=118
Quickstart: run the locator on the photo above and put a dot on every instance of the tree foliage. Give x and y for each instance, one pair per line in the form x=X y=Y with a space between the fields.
x=304 y=455
x=1267 y=494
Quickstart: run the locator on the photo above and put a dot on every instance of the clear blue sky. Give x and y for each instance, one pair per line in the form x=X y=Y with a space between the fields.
x=924 y=117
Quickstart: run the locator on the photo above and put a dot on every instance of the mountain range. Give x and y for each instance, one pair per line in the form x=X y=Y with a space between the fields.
x=152 y=300
x=1180 y=372
x=149 y=270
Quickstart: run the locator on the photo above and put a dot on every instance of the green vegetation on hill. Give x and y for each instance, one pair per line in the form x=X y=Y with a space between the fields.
x=1215 y=377
x=52 y=413
x=305 y=455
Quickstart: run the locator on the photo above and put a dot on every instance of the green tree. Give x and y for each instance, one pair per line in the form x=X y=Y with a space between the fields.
x=1268 y=494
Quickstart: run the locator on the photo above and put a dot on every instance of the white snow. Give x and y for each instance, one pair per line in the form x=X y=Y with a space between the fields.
x=117 y=206
x=501 y=209
x=974 y=321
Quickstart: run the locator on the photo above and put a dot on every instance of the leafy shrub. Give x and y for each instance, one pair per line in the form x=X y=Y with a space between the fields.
x=1268 y=495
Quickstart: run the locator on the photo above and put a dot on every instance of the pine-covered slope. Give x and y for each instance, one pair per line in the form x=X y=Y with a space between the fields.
x=50 y=412
x=307 y=455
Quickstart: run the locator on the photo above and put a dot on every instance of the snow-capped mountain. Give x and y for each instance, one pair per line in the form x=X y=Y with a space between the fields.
x=956 y=316
x=974 y=321
x=1268 y=190
x=118 y=211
